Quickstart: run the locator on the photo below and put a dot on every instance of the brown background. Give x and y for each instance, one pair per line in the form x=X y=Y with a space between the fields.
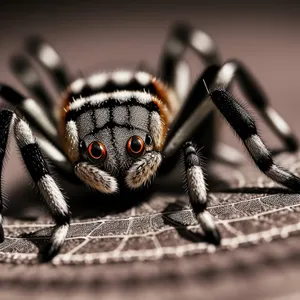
x=90 y=34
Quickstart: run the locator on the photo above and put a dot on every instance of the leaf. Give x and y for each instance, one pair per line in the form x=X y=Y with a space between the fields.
x=248 y=208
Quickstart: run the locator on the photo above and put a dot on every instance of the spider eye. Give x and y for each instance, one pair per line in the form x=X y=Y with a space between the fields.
x=135 y=146
x=97 y=151
x=148 y=140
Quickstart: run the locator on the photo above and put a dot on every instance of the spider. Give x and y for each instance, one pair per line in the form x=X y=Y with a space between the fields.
x=114 y=131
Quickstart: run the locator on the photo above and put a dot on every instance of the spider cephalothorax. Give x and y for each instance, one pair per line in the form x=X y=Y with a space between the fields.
x=119 y=132
x=119 y=129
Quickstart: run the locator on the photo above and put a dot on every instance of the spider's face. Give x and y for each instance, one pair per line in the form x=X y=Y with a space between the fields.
x=119 y=142
x=122 y=153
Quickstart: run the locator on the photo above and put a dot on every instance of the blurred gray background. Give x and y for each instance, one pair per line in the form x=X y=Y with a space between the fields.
x=92 y=34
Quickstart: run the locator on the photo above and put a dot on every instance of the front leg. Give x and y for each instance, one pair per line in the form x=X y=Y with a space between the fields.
x=197 y=193
x=38 y=170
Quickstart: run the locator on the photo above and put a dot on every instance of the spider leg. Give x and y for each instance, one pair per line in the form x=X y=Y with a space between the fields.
x=184 y=36
x=195 y=114
x=198 y=106
x=5 y=120
x=57 y=158
x=182 y=80
x=32 y=111
x=197 y=193
x=249 y=85
x=48 y=138
x=28 y=76
x=196 y=98
x=40 y=174
x=174 y=70
x=49 y=58
x=243 y=124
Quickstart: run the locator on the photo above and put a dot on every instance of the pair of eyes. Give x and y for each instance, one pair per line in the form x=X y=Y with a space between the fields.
x=135 y=147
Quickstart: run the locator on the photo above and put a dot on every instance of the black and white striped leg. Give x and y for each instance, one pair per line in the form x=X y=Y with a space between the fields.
x=5 y=121
x=40 y=174
x=28 y=76
x=199 y=106
x=49 y=58
x=182 y=36
x=32 y=111
x=197 y=111
x=182 y=80
x=38 y=119
x=198 y=194
x=195 y=98
x=243 y=124
x=253 y=91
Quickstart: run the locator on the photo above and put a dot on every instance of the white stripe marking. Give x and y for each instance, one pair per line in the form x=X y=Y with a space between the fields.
x=60 y=235
x=40 y=115
x=203 y=42
x=256 y=147
x=52 y=151
x=206 y=220
x=225 y=75
x=278 y=120
x=77 y=85
x=49 y=57
x=121 y=96
x=77 y=103
x=122 y=77
x=278 y=174
x=143 y=78
x=196 y=184
x=98 y=80
x=189 y=126
x=73 y=140
x=182 y=80
x=53 y=195
x=23 y=134
x=156 y=129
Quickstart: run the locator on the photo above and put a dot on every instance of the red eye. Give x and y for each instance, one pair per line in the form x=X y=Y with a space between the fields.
x=97 y=151
x=135 y=146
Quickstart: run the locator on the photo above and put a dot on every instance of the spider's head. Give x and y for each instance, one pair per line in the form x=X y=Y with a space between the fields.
x=118 y=142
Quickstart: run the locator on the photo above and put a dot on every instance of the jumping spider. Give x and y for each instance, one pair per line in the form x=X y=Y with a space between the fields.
x=117 y=130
